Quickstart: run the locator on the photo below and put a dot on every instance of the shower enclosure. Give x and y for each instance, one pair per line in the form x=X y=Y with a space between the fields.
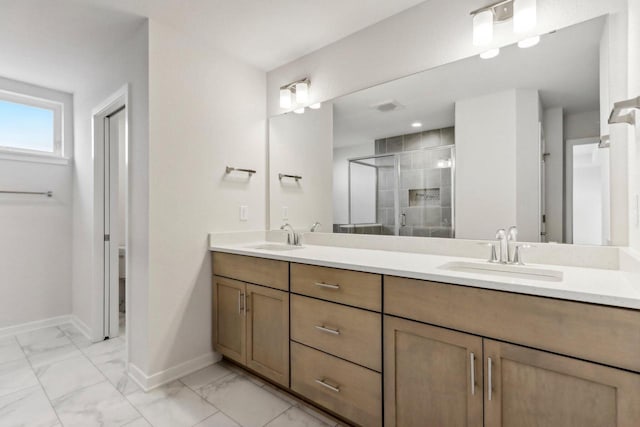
x=410 y=193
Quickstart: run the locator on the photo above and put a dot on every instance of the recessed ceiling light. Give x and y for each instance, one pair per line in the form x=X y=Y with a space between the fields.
x=299 y=110
x=416 y=125
x=529 y=42
x=491 y=53
x=315 y=106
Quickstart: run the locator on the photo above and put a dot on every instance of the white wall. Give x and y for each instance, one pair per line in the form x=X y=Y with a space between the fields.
x=206 y=111
x=128 y=64
x=634 y=134
x=35 y=247
x=341 y=178
x=485 y=194
x=302 y=145
x=582 y=125
x=554 y=138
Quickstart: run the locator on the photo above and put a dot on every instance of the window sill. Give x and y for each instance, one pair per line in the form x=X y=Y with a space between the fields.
x=34 y=158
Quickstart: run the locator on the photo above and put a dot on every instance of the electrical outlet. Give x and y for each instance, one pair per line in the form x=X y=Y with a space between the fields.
x=285 y=213
x=244 y=213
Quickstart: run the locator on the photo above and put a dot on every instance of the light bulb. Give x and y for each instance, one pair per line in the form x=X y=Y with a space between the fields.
x=302 y=92
x=483 y=28
x=529 y=42
x=416 y=124
x=299 y=110
x=525 y=15
x=285 y=98
x=491 y=53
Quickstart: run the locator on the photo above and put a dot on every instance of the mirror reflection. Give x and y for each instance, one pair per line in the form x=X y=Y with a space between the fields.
x=458 y=151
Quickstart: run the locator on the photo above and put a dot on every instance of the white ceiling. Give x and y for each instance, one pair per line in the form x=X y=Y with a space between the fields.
x=53 y=42
x=264 y=33
x=564 y=67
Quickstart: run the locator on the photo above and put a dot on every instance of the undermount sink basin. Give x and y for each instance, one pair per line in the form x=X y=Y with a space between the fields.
x=513 y=271
x=275 y=247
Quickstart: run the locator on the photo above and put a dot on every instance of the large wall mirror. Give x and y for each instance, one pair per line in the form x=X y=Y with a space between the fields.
x=457 y=151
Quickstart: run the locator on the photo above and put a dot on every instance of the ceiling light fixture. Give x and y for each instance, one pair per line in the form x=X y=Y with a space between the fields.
x=315 y=106
x=299 y=110
x=529 y=42
x=416 y=125
x=301 y=90
x=525 y=16
x=491 y=53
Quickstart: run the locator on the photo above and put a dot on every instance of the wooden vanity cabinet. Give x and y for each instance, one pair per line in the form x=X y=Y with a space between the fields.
x=251 y=322
x=535 y=388
x=433 y=376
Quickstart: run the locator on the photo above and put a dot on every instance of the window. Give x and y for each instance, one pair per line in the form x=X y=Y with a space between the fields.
x=30 y=125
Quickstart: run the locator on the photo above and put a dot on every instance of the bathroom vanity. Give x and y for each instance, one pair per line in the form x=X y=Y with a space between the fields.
x=377 y=345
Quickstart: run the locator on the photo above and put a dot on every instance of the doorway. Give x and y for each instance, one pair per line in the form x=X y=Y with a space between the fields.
x=111 y=162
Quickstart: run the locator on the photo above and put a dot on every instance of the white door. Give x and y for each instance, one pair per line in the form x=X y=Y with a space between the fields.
x=114 y=217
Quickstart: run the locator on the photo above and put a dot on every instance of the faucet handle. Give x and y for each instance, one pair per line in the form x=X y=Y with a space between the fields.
x=517 y=256
x=512 y=233
x=493 y=258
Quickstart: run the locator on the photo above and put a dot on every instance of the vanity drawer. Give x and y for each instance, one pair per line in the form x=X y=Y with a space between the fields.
x=346 y=332
x=593 y=332
x=342 y=286
x=261 y=271
x=348 y=390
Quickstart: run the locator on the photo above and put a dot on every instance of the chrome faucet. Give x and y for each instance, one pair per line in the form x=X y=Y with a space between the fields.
x=293 y=238
x=512 y=238
x=501 y=235
x=315 y=227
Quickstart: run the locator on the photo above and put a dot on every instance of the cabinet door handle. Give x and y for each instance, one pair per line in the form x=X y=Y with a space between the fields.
x=473 y=374
x=323 y=383
x=244 y=303
x=326 y=285
x=490 y=380
x=239 y=302
x=328 y=330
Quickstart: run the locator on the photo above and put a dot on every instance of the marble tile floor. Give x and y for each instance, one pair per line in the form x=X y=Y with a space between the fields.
x=55 y=377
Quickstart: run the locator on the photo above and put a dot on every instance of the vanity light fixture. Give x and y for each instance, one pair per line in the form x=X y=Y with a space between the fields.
x=529 y=42
x=483 y=28
x=416 y=125
x=299 y=88
x=525 y=16
x=315 y=106
x=491 y=53
x=299 y=110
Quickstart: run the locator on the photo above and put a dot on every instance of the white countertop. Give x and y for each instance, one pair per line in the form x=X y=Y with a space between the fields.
x=599 y=286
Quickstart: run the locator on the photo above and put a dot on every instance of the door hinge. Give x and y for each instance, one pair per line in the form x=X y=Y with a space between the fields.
x=107 y=237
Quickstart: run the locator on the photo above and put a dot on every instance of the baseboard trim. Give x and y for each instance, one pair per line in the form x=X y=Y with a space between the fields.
x=149 y=382
x=37 y=324
x=82 y=327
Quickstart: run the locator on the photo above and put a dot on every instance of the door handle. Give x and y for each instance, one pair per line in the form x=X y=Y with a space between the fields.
x=244 y=303
x=239 y=302
x=473 y=373
x=489 y=379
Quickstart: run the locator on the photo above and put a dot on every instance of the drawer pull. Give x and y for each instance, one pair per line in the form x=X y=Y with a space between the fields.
x=490 y=382
x=473 y=374
x=326 y=285
x=328 y=330
x=329 y=386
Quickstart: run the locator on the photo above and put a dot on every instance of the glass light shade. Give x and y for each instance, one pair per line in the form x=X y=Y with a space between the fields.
x=302 y=92
x=530 y=42
x=285 y=98
x=491 y=53
x=416 y=124
x=299 y=110
x=525 y=16
x=483 y=28
x=315 y=106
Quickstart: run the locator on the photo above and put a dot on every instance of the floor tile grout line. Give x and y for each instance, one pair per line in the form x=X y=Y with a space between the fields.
x=108 y=381
x=46 y=395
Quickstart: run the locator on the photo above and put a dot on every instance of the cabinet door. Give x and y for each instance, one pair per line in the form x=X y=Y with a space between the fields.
x=432 y=376
x=229 y=330
x=526 y=387
x=268 y=332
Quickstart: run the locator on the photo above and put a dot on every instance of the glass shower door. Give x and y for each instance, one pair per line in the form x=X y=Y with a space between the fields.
x=426 y=192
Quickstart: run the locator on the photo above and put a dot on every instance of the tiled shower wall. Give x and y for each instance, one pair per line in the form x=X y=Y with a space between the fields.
x=428 y=212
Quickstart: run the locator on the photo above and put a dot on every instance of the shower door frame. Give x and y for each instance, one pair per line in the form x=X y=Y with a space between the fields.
x=396 y=166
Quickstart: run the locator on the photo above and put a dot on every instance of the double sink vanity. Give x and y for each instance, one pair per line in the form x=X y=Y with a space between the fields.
x=387 y=338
